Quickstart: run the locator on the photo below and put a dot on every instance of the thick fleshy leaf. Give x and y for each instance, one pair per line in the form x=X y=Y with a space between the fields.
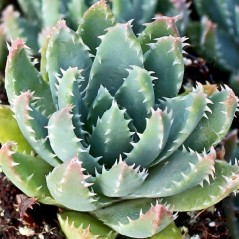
x=19 y=80
x=102 y=103
x=111 y=136
x=109 y=70
x=68 y=185
x=136 y=218
x=83 y=225
x=161 y=26
x=226 y=181
x=170 y=232
x=9 y=130
x=120 y=180
x=151 y=141
x=165 y=59
x=186 y=170
x=64 y=51
x=211 y=130
x=93 y=24
x=187 y=111
x=69 y=94
x=136 y=95
x=65 y=143
x=31 y=180
x=32 y=124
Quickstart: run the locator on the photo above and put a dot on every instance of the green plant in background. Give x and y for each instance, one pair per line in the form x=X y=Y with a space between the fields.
x=216 y=35
x=114 y=141
x=230 y=146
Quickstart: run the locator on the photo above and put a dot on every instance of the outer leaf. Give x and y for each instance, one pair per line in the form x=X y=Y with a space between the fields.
x=166 y=60
x=186 y=170
x=136 y=95
x=31 y=180
x=187 y=111
x=93 y=24
x=226 y=181
x=32 y=124
x=170 y=232
x=121 y=42
x=18 y=80
x=68 y=185
x=210 y=131
x=9 y=130
x=83 y=225
x=111 y=132
x=136 y=218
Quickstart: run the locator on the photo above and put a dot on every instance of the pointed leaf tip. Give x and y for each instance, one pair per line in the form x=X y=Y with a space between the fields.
x=16 y=45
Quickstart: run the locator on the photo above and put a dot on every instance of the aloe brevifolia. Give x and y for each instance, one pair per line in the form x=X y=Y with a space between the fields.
x=113 y=140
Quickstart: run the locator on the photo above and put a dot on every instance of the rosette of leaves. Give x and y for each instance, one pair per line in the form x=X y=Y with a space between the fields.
x=113 y=140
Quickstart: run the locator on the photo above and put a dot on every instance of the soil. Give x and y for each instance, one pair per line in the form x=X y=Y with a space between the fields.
x=18 y=221
x=21 y=220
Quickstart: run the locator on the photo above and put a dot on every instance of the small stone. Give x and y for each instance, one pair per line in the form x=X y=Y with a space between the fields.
x=195 y=237
x=41 y=236
x=25 y=231
x=212 y=224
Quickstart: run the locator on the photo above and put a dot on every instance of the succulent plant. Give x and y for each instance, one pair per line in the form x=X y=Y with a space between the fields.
x=113 y=139
x=216 y=35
